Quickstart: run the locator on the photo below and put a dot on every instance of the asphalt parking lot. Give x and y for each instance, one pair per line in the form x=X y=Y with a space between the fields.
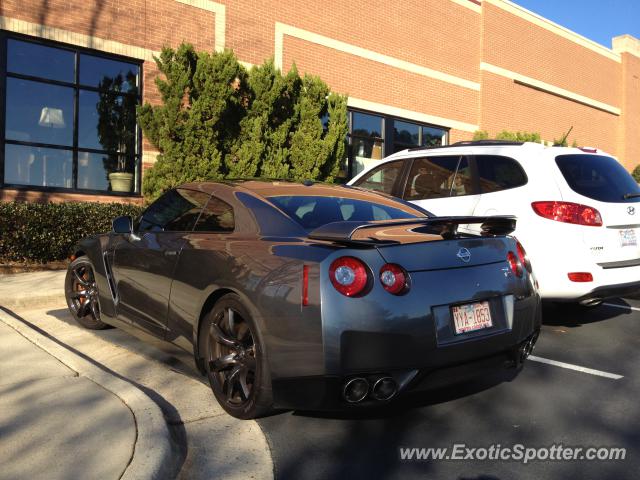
x=545 y=405
x=586 y=398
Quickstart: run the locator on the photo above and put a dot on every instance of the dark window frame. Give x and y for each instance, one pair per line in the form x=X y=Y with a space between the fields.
x=388 y=136
x=74 y=149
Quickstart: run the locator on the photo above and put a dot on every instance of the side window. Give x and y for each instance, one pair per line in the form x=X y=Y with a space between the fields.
x=438 y=177
x=175 y=211
x=383 y=178
x=499 y=173
x=217 y=216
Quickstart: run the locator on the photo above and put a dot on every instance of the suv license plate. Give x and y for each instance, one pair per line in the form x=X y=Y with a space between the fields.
x=628 y=238
x=471 y=317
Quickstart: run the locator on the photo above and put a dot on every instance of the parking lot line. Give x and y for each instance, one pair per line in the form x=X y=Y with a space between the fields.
x=577 y=368
x=625 y=307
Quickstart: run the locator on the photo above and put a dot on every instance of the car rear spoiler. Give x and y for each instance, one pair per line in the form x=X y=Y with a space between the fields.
x=447 y=227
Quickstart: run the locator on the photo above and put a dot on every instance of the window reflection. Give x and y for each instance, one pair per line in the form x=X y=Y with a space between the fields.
x=39 y=112
x=94 y=70
x=45 y=167
x=28 y=58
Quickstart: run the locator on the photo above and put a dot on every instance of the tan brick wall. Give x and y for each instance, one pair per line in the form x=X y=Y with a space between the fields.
x=509 y=106
x=369 y=80
x=630 y=119
x=424 y=57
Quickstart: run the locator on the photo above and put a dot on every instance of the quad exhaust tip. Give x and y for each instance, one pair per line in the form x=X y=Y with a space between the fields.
x=384 y=389
x=356 y=390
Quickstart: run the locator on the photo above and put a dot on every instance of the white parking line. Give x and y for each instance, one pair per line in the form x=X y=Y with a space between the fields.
x=577 y=368
x=625 y=307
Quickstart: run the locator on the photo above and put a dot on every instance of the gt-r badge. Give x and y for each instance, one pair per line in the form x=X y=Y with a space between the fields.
x=464 y=255
x=631 y=210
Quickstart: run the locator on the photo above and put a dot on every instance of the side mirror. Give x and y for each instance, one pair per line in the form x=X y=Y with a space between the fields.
x=123 y=225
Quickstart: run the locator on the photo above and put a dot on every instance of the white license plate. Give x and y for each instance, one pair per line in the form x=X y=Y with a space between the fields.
x=628 y=238
x=471 y=317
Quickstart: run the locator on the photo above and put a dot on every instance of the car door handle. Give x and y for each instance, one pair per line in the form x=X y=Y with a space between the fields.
x=171 y=253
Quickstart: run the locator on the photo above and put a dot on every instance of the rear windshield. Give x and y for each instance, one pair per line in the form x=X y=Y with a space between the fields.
x=598 y=177
x=312 y=212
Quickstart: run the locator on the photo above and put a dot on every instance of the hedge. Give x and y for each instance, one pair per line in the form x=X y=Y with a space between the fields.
x=46 y=232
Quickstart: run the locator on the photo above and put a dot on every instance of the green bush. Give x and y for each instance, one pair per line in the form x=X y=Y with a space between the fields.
x=507 y=135
x=636 y=174
x=218 y=120
x=46 y=232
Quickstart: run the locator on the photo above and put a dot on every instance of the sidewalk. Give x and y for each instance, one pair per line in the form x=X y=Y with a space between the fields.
x=179 y=429
x=46 y=408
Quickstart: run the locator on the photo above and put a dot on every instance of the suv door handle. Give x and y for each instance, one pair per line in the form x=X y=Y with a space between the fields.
x=171 y=253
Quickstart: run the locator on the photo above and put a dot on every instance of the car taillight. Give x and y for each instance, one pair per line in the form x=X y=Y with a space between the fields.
x=580 y=277
x=305 y=285
x=348 y=275
x=522 y=256
x=394 y=278
x=515 y=265
x=568 y=212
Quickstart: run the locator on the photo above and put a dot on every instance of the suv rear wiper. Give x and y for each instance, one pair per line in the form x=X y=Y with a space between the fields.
x=627 y=196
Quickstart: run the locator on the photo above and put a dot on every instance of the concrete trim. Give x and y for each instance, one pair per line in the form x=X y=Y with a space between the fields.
x=152 y=451
x=76 y=39
x=626 y=44
x=548 y=88
x=410 y=114
x=219 y=21
x=469 y=4
x=553 y=27
x=282 y=29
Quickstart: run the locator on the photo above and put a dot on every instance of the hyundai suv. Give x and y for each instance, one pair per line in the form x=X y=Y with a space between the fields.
x=578 y=208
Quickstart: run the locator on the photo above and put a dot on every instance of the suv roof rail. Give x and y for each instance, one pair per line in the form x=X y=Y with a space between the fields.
x=469 y=143
x=486 y=142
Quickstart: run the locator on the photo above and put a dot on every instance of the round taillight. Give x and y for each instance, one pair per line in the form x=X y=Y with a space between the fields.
x=516 y=266
x=348 y=275
x=522 y=256
x=394 y=279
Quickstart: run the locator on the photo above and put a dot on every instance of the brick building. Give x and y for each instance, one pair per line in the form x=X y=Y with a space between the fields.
x=416 y=72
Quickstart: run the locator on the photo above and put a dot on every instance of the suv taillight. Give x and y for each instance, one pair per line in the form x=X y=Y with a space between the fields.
x=349 y=275
x=568 y=212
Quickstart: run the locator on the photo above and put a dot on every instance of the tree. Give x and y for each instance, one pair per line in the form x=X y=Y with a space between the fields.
x=217 y=120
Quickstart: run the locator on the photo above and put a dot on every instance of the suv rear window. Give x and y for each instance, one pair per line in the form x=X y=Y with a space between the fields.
x=598 y=177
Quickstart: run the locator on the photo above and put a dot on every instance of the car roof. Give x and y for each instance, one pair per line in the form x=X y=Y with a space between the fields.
x=280 y=188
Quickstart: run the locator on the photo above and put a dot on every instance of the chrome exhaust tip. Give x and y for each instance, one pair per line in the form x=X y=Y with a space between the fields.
x=527 y=346
x=385 y=388
x=355 y=390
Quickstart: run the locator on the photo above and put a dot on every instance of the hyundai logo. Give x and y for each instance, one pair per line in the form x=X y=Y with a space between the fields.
x=464 y=255
x=631 y=210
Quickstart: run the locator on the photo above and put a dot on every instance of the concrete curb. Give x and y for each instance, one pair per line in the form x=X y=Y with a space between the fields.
x=35 y=301
x=152 y=450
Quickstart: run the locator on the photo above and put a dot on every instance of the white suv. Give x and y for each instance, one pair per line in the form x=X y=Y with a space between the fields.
x=578 y=209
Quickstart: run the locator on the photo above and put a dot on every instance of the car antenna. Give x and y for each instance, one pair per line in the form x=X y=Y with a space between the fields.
x=563 y=139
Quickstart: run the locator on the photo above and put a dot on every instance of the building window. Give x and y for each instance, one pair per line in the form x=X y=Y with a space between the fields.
x=68 y=118
x=373 y=137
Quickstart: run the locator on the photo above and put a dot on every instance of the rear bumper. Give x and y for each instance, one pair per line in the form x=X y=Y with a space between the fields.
x=413 y=364
x=611 y=291
x=325 y=393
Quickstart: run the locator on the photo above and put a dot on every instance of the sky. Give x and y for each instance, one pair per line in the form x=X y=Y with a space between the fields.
x=598 y=20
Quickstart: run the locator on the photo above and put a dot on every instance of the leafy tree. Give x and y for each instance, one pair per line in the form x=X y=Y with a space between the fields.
x=636 y=174
x=217 y=120
x=510 y=136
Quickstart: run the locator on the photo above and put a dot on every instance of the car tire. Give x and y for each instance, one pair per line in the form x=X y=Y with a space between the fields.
x=235 y=361
x=81 y=293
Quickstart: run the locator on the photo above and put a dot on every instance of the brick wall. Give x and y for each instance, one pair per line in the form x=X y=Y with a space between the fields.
x=450 y=60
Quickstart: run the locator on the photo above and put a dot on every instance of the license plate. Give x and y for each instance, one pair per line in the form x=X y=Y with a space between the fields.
x=628 y=238
x=471 y=317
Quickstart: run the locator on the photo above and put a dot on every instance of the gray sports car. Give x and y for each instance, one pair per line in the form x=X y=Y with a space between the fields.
x=311 y=296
